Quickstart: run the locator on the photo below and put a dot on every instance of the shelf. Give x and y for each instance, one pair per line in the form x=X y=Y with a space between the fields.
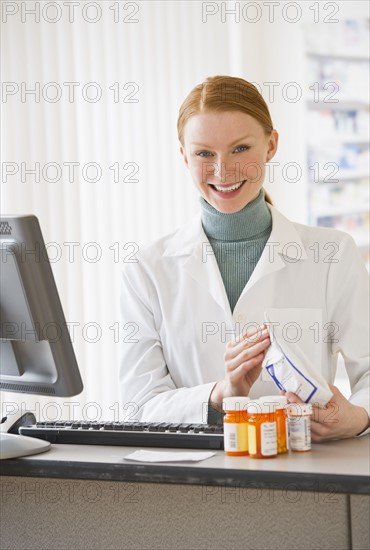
x=341 y=138
x=346 y=62
x=343 y=104
x=342 y=176
x=339 y=211
x=345 y=175
x=348 y=138
x=350 y=56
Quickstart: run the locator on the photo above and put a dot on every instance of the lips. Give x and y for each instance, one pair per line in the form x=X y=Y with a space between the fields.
x=227 y=190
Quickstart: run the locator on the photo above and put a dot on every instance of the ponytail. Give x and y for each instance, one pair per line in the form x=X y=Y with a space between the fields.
x=268 y=198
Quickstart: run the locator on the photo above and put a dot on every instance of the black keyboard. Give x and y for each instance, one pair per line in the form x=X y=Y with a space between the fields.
x=134 y=434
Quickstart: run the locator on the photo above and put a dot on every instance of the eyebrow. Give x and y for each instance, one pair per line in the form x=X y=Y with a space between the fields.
x=231 y=144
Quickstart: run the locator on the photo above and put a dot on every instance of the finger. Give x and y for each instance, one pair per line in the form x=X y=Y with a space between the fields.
x=244 y=368
x=321 y=432
x=319 y=415
x=253 y=334
x=293 y=398
x=238 y=347
x=326 y=416
x=245 y=355
x=337 y=394
x=244 y=377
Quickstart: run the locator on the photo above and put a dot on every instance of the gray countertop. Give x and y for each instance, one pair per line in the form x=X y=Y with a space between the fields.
x=340 y=466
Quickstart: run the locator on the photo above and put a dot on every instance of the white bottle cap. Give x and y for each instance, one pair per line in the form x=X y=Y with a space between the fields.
x=299 y=409
x=276 y=401
x=235 y=403
x=259 y=407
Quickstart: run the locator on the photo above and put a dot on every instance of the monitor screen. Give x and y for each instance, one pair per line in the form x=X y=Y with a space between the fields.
x=36 y=350
x=36 y=353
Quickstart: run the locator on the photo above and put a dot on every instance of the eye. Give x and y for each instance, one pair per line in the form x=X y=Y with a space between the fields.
x=203 y=154
x=242 y=148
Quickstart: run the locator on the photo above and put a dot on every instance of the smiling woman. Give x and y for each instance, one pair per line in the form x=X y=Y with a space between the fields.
x=229 y=173
x=199 y=296
x=219 y=164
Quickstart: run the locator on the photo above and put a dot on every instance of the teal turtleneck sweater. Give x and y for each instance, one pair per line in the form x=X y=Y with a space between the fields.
x=237 y=241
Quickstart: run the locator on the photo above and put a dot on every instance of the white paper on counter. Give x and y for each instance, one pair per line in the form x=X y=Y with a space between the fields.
x=164 y=456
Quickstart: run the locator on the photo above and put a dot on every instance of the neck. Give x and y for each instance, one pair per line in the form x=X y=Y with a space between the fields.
x=246 y=224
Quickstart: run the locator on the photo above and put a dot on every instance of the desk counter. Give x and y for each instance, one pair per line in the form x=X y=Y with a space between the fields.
x=91 y=497
x=340 y=466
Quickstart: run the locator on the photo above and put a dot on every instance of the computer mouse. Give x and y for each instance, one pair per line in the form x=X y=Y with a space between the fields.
x=12 y=422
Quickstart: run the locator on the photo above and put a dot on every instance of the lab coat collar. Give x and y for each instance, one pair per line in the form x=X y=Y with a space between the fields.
x=283 y=247
x=191 y=243
x=284 y=239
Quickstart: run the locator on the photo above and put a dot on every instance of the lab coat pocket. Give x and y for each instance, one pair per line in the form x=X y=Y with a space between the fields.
x=298 y=330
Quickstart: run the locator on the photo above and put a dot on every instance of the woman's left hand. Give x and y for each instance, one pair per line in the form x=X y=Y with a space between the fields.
x=339 y=419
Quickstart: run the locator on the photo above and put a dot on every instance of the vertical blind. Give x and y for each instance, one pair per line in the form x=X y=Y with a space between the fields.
x=90 y=134
x=90 y=146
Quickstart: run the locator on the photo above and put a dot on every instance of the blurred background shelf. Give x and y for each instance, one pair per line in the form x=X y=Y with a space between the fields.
x=338 y=136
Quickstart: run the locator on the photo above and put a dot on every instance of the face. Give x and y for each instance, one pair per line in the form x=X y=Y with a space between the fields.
x=226 y=154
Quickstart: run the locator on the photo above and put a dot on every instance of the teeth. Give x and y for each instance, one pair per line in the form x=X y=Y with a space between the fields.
x=229 y=189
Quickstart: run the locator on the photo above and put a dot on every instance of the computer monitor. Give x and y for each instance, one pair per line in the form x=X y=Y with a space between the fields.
x=36 y=352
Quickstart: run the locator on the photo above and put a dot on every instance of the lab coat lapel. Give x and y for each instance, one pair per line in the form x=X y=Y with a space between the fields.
x=203 y=267
x=191 y=245
x=283 y=247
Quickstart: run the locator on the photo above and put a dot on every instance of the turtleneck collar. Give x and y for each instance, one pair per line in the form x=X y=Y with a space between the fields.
x=248 y=223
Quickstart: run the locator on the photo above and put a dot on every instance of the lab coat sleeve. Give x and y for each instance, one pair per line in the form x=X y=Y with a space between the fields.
x=348 y=308
x=147 y=389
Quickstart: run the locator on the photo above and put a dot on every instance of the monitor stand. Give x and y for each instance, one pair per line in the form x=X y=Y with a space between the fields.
x=14 y=446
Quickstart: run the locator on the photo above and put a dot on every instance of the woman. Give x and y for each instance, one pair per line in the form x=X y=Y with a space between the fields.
x=197 y=297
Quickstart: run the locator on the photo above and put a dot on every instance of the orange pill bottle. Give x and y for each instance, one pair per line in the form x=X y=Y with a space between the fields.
x=262 y=432
x=235 y=425
x=278 y=404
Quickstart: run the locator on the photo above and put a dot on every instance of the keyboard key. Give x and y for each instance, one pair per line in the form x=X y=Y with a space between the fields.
x=163 y=427
x=184 y=428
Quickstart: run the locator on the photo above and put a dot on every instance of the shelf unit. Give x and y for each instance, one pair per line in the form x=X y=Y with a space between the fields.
x=338 y=139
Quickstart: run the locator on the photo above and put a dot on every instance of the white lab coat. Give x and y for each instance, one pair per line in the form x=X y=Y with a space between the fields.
x=177 y=319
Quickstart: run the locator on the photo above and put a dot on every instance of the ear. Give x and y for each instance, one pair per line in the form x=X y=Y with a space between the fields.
x=272 y=145
x=184 y=155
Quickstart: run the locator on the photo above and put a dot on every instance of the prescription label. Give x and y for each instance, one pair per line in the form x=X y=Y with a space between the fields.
x=236 y=437
x=268 y=439
x=300 y=433
x=252 y=439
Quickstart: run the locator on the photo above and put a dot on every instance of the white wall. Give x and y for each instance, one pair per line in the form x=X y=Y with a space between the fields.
x=172 y=47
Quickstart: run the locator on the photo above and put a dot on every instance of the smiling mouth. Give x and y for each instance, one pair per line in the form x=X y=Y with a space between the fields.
x=229 y=188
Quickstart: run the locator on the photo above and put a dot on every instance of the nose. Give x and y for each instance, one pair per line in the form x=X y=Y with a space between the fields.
x=228 y=170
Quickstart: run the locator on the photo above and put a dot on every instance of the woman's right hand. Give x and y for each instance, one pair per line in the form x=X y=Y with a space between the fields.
x=243 y=364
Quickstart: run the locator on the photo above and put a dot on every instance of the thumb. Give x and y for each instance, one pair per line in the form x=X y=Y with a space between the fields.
x=293 y=398
x=334 y=389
